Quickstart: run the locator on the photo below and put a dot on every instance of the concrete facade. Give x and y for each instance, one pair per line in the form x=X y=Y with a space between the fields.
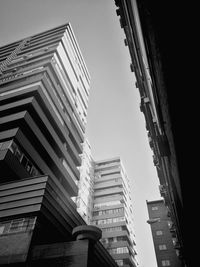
x=44 y=90
x=155 y=61
x=113 y=210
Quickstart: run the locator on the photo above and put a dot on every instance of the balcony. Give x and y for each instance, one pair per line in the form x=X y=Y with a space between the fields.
x=110 y=191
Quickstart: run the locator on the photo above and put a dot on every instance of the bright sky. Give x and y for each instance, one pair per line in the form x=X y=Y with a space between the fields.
x=116 y=126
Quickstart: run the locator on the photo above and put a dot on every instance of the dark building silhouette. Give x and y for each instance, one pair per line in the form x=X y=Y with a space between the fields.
x=44 y=89
x=155 y=36
x=163 y=233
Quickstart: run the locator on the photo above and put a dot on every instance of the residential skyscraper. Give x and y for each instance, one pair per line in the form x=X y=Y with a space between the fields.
x=34 y=71
x=104 y=200
x=163 y=233
x=44 y=90
x=113 y=211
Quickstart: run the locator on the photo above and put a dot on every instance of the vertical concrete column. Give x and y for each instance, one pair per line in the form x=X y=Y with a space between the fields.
x=89 y=232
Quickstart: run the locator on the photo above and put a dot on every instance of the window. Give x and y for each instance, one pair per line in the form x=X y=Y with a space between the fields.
x=162 y=247
x=119 y=262
x=174 y=240
x=2 y=229
x=119 y=250
x=106 y=204
x=121 y=238
x=112 y=229
x=122 y=250
x=110 y=211
x=165 y=263
x=5 y=145
x=67 y=167
x=13 y=147
x=34 y=171
x=159 y=232
x=154 y=208
x=28 y=165
x=18 y=154
x=118 y=219
x=24 y=161
x=109 y=220
x=169 y=223
x=16 y=225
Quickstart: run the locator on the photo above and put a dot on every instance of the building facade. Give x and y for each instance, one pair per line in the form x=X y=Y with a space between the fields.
x=154 y=62
x=44 y=90
x=113 y=211
x=163 y=232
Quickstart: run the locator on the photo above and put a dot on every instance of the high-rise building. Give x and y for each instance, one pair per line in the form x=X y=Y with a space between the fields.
x=113 y=211
x=148 y=39
x=163 y=233
x=104 y=200
x=44 y=89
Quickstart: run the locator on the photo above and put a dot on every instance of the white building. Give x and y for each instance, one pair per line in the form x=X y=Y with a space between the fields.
x=104 y=200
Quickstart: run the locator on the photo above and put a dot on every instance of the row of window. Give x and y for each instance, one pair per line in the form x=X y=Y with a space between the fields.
x=112 y=169
x=65 y=100
x=51 y=103
x=17 y=225
x=113 y=239
x=119 y=250
x=68 y=46
x=116 y=180
x=107 y=204
x=108 y=189
x=118 y=195
x=124 y=262
x=165 y=263
x=67 y=84
x=112 y=229
x=116 y=229
x=27 y=163
x=108 y=162
x=110 y=211
x=109 y=220
x=111 y=173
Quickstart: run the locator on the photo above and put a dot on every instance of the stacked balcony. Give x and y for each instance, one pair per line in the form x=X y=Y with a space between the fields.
x=44 y=89
x=111 y=211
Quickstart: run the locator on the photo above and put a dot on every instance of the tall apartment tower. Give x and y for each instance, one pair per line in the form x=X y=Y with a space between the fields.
x=112 y=210
x=44 y=92
x=44 y=89
x=163 y=233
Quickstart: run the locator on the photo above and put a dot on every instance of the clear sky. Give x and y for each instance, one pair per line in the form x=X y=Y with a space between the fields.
x=116 y=126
